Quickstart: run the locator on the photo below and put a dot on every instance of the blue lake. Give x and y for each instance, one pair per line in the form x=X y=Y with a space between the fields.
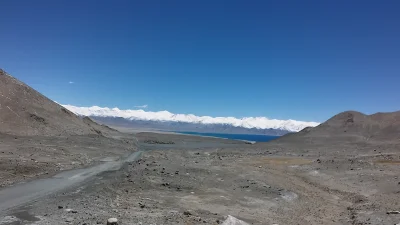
x=247 y=137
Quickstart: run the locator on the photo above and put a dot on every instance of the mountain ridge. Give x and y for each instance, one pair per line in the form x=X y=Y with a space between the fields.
x=165 y=116
x=120 y=122
x=381 y=126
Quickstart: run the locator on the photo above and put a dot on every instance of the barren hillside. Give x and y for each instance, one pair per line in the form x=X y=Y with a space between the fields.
x=352 y=125
x=24 y=111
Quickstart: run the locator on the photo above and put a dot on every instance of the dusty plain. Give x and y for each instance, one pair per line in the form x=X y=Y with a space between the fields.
x=183 y=179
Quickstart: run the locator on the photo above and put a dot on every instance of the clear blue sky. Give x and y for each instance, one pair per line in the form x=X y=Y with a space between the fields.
x=304 y=60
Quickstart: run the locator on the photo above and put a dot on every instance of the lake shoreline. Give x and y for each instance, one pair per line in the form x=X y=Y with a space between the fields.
x=251 y=138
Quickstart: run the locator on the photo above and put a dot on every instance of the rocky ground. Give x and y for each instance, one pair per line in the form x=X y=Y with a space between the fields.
x=203 y=180
x=32 y=157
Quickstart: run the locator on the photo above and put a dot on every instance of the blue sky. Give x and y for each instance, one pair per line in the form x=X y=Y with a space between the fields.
x=304 y=60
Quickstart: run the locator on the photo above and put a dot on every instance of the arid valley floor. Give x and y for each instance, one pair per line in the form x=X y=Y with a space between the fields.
x=202 y=180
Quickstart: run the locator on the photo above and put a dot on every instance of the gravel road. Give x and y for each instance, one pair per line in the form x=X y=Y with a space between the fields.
x=24 y=193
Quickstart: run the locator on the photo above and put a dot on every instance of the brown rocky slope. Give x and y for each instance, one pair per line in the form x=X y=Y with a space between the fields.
x=26 y=112
x=352 y=125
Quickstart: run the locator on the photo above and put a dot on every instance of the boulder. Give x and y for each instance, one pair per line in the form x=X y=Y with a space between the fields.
x=112 y=221
x=230 y=220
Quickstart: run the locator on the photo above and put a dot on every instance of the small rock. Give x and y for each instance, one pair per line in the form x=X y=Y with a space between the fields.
x=187 y=213
x=393 y=212
x=112 y=221
x=230 y=220
x=68 y=210
x=69 y=219
x=60 y=207
x=74 y=211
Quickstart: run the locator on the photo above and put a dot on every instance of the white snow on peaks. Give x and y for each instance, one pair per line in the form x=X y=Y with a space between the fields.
x=246 y=122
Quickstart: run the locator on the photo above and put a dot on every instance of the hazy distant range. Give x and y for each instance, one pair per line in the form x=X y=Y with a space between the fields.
x=167 y=121
x=184 y=126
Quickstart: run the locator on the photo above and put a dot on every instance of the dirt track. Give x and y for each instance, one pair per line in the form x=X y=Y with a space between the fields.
x=24 y=193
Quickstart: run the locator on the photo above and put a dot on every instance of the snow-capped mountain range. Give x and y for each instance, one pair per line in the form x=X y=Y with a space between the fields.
x=165 y=116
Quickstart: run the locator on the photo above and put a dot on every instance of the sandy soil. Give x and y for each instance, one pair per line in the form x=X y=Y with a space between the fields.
x=201 y=181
